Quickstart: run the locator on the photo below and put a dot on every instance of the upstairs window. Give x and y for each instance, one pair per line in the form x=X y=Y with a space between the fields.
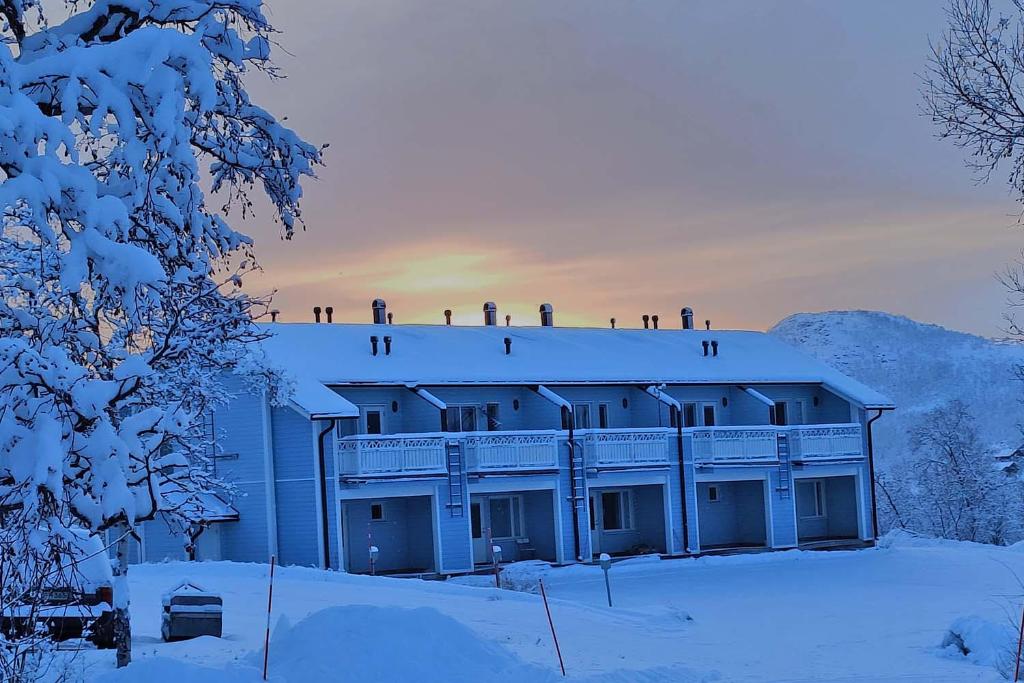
x=493 y=420
x=602 y=416
x=709 y=414
x=461 y=418
x=373 y=420
x=781 y=414
x=689 y=414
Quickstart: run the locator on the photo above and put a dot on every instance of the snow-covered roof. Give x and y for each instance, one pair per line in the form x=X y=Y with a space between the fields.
x=340 y=354
x=315 y=401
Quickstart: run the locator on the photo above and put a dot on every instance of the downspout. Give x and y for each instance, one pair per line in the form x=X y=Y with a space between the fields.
x=682 y=478
x=572 y=483
x=324 y=513
x=871 y=473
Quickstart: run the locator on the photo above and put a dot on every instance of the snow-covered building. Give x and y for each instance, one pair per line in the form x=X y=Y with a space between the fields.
x=434 y=445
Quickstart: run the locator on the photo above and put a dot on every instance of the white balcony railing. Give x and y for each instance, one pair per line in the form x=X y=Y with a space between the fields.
x=505 y=451
x=735 y=445
x=826 y=442
x=376 y=455
x=626 y=447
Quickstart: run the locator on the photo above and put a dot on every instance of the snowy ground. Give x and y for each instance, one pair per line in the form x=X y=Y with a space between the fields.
x=872 y=615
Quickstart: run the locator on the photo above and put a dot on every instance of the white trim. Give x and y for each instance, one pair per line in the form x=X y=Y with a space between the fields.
x=769 y=511
x=559 y=523
x=821 y=508
x=342 y=522
x=666 y=500
x=435 y=502
x=269 y=478
x=759 y=396
x=376 y=408
x=317 y=499
x=512 y=484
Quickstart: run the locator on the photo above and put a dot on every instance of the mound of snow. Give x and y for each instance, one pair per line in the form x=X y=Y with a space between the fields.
x=165 y=670
x=367 y=643
x=919 y=366
x=982 y=642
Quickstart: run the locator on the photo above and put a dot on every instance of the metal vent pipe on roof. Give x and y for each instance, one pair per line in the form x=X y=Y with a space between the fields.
x=714 y=347
x=447 y=316
x=705 y=345
x=707 y=324
x=687 y=315
x=508 y=321
x=490 y=314
x=508 y=345
x=612 y=321
x=273 y=315
x=373 y=344
x=647 y=321
x=316 y=313
x=654 y=321
x=391 y=317
x=547 y=315
x=379 y=311
x=387 y=345
x=330 y=314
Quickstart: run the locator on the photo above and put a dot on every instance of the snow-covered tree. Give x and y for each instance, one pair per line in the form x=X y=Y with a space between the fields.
x=120 y=300
x=951 y=487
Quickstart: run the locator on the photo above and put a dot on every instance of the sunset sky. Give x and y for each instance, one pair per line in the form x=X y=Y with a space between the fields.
x=617 y=157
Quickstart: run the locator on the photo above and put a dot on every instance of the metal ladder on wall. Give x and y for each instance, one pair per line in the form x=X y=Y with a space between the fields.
x=579 y=480
x=453 y=458
x=784 y=466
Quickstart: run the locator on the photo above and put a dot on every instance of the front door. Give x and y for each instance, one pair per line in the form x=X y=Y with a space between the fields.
x=480 y=553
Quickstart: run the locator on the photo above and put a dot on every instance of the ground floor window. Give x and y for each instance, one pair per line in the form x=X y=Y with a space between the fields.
x=811 y=498
x=714 y=495
x=616 y=510
x=506 y=516
x=377 y=512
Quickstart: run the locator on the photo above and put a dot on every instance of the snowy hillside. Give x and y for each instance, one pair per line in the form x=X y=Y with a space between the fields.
x=919 y=366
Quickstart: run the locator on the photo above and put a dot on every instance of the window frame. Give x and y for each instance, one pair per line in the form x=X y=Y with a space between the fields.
x=714 y=494
x=604 y=415
x=383 y=514
x=704 y=406
x=494 y=419
x=821 y=509
x=364 y=411
x=576 y=413
x=625 y=507
x=517 y=521
x=455 y=409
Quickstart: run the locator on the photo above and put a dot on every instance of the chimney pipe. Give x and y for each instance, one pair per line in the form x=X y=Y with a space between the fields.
x=508 y=321
x=547 y=315
x=707 y=324
x=273 y=315
x=387 y=345
x=316 y=313
x=330 y=314
x=379 y=311
x=490 y=314
x=687 y=316
x=508 y=345
x=647 y=322
x=705 y=345
x=447 y=316
x=714 y=347
x=391 y=317
x=373 y=345
x=654 y=319
x=612 y=321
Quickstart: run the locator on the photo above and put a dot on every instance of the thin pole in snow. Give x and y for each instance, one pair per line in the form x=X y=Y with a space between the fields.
x=1020 y=642
x=270 y=604
x=551 y=623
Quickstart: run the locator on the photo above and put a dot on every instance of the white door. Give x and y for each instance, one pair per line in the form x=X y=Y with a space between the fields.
x=480 y=553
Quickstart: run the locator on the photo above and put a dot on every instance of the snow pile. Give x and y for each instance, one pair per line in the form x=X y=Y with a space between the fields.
x=982 y=642
x=166 y=670
x=369 y=643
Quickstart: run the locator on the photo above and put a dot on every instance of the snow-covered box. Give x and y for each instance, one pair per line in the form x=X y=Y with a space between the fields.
x=190 y=611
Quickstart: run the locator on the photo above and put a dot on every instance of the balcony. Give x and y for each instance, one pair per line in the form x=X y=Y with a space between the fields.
x=373 y=455
x=511 y=451
x=735 y=445
x=615 y=448
x=823 y=443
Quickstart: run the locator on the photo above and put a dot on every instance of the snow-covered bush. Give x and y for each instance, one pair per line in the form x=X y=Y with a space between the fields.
x=983 y=642
x=950 y=487
x=120 y=300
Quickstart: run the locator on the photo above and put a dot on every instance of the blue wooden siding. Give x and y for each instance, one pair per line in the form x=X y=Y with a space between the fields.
x=840 y=518
x=456 y=549
x=404 y=538
x=737 y=518
x=162 y=543
x=246 y=539
x=648 y=532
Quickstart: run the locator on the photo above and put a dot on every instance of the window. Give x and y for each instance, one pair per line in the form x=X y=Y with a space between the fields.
x=493 y=421
x=461 y=418
x=616 y=510
x=689 y=414
x=810 y=498
x=789 y=413
x=781 y=416
x=673 y=417
x=373 y=420
x=713 y=494
x=376 y=512
x=581 y=411
x=506 y=516
x=477 y=523
x=709 y=414
x=602 y=416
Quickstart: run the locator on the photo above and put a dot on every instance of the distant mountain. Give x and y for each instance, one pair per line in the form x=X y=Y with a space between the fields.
x=919 y=366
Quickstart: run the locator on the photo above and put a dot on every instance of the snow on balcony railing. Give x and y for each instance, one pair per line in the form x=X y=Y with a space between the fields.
x=826 y=442
x=376 y=455
x=497 y=451
x=625 y=447
x=735 y=444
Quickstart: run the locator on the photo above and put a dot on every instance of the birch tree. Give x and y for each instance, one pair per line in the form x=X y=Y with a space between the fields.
x=120 y=299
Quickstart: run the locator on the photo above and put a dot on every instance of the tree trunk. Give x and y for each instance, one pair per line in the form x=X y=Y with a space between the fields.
x=122 y=621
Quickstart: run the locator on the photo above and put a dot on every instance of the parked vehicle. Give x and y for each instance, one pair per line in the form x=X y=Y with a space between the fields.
x=76 y=600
